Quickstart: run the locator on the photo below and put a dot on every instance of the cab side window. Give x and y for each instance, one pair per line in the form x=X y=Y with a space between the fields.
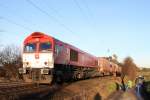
x=58 y=49
x=73 y=55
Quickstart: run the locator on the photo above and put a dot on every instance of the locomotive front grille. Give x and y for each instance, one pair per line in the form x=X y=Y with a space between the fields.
x=35 y=74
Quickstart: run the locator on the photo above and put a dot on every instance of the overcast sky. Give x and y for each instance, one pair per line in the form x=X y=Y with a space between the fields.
x=100 y=27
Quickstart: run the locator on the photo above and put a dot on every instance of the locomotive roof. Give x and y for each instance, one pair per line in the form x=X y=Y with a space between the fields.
x=77 y=49
x=40 y=34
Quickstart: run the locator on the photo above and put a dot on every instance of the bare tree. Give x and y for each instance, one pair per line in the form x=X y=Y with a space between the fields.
x=129 y=69
x=10 y=55
x=10 y=58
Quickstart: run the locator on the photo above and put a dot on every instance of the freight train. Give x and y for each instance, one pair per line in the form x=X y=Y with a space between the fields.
x=47 y=59
x=107 y=67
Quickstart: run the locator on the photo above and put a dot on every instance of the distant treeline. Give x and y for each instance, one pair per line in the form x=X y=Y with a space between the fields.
x=145 y=69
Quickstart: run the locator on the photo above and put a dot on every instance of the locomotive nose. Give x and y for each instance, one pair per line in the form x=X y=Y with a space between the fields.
x=37 y=56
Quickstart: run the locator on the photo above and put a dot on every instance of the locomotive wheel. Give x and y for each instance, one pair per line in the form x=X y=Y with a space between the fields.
x=59 y=79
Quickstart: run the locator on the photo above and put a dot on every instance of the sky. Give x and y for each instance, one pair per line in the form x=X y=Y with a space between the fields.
x=99 y=27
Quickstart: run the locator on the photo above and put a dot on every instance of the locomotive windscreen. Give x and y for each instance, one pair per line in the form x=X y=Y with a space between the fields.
x=30 y=47
x=45 y=47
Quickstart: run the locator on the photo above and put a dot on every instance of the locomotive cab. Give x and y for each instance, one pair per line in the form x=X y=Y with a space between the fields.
x=38 y=60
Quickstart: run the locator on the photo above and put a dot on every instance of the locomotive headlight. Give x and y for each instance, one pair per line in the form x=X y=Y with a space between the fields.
x=27 y=63
x=46 y=63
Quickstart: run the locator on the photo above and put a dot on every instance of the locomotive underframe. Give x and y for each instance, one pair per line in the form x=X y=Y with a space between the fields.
x=61 y=73
x=70 y=72
x=38 y=75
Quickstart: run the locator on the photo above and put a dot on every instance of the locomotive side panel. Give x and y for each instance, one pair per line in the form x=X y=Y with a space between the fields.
x=66 y=54
x=72 y=63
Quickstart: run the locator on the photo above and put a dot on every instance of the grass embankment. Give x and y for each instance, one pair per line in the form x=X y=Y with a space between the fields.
x=96 y=91
x=92 y=89
x=111 y=87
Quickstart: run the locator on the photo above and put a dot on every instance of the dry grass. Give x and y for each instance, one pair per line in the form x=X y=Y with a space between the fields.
x=93 y=89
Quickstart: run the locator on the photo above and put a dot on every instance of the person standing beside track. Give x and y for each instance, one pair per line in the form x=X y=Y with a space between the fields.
x=139 y=85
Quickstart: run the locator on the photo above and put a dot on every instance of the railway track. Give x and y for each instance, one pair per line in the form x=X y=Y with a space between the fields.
x=25 y=91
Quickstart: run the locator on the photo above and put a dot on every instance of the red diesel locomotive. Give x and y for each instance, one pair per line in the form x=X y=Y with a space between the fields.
x=46 y=58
